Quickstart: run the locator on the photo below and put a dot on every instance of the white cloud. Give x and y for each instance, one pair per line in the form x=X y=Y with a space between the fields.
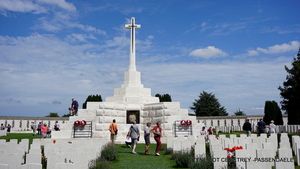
x=55 y=68
x=292 y=46
x=252 y=52
x=21 y=6
x=286 y=47
x=208 y=52
x=79 y=38
x=60 y=3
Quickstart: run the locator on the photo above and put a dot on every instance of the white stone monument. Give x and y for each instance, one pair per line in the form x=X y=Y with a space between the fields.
x=130 y=102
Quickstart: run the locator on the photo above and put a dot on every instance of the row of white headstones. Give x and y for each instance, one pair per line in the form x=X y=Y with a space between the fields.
x=256 y=152
x=59 y=153
x=253 y=152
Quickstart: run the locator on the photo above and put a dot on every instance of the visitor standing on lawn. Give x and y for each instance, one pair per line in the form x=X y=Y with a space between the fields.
x=33 y=127
x=39 y=128
x=247 y=128
x=261 y=125
x=147 y=132
x=113 y=128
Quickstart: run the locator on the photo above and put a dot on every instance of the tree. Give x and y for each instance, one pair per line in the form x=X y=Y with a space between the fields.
x=272 y=112
x=290 y=92
x=52 y=115
x=208 y=105
x=92 y=98
x=239 y=113
x=164 y=97
x=66 y=115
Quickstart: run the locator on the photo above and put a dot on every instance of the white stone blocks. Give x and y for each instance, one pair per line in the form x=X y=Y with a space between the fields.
x=221 y=154
x=170 y=141
x=152 y=113
x=285 y=165
x=167 y=112
x=167 y=126
x=4 y=166
x=159 y=112
x=99 y=112
x=100 y=127
x=31 y=166
x=33 y=158
x=2 y=132
x=106 y=106
x=158 y=106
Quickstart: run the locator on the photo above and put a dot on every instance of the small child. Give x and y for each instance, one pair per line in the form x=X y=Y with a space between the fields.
x=71 y=111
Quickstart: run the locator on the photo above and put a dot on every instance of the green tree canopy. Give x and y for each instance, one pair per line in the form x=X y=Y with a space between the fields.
x=66 y=115
x=290 y=92
x=239 y=113
x=208 y=105
x=92 y=98
x=52 y=115
x=164 y=97
x=272 y=112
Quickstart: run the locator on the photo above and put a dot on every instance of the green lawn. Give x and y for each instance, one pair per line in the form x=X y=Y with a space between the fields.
x=127 y=160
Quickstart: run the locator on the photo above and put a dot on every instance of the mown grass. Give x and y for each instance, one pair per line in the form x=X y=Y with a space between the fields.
x=127 y=160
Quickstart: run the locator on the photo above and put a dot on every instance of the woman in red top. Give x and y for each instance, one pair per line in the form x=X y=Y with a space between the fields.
x=44 y=130
x=157 y=134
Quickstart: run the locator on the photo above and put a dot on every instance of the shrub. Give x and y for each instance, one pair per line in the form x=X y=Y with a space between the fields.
x=98 y=164
x=109 y=152
x=168 y=151
x=201 y=165
x=183 y=159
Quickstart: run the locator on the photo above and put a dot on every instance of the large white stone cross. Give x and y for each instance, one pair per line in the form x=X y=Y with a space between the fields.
x=132 y=26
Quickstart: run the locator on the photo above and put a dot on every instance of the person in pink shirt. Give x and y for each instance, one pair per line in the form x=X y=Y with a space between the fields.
x=44 y=130
x=157 y=130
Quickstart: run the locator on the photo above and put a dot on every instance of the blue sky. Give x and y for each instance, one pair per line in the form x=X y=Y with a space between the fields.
x=55 y=50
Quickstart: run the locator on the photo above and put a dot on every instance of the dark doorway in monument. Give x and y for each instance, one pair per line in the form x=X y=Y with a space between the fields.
x=133 y=115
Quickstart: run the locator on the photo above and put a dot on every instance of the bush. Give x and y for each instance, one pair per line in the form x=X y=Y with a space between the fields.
x=109 y=152
x=168 y=151
x=201 y=165
x=98 y=164
x=183 y=159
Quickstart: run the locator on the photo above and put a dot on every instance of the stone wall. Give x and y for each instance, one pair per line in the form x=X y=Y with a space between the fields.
x=232 y=120
x=20 y=123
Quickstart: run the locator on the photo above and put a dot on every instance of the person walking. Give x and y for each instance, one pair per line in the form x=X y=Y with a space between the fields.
x=261 y=125
x=157 y=130
x=247 y=128
x=33 y=127
x=134 y=133
x=74 y=106
x=113 y=128
x=147 y=132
